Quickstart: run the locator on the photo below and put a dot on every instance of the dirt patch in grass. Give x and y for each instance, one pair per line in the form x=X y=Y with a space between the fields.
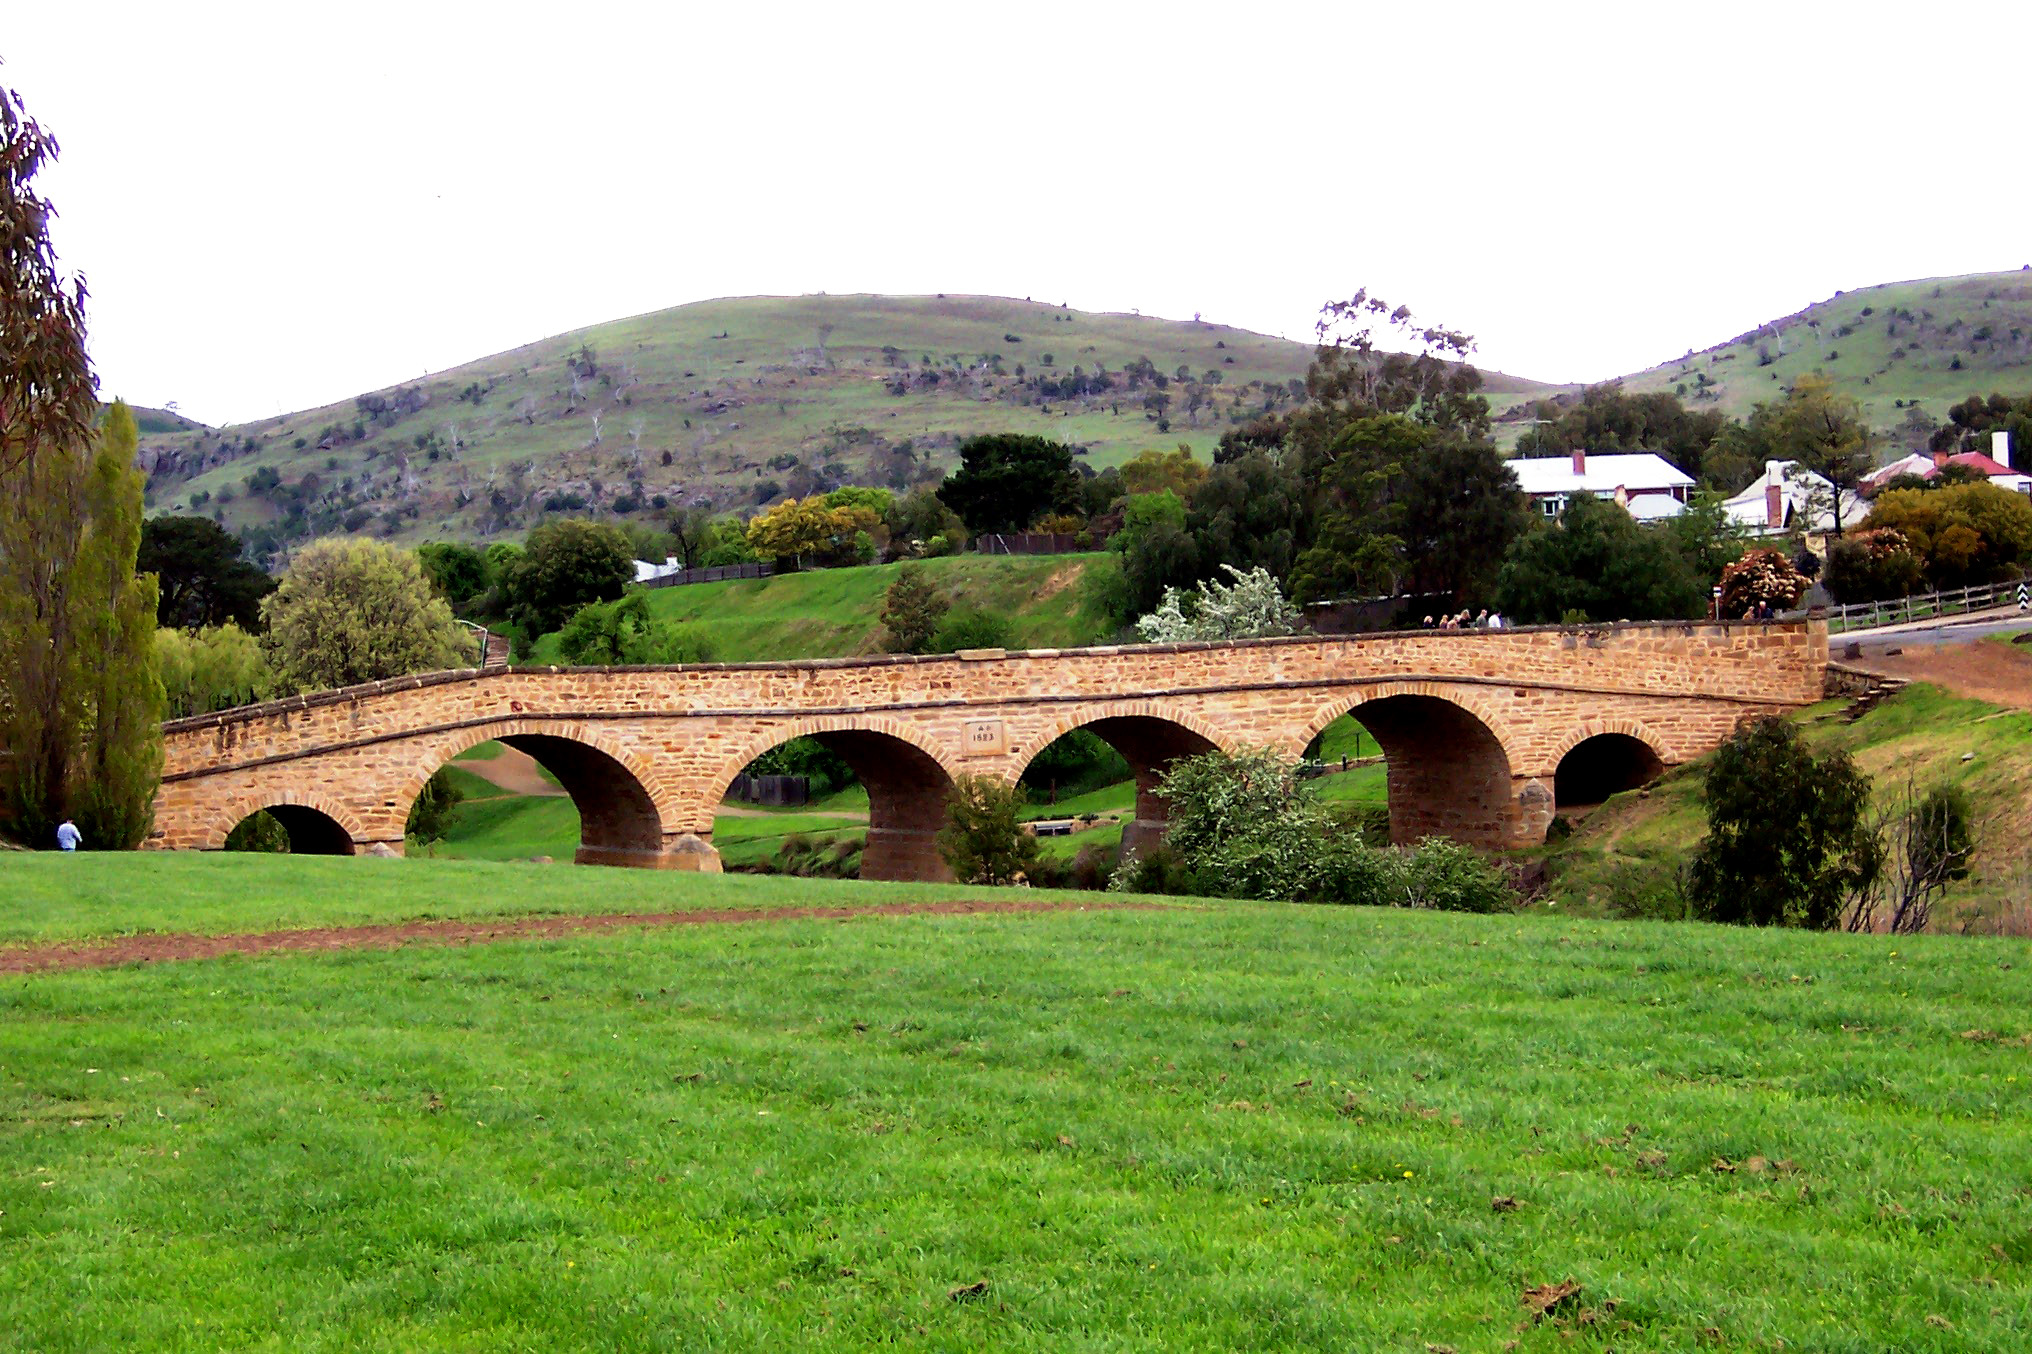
x=149 y=949
x=515 y=772
x=1059 y=581
x=1998 y=673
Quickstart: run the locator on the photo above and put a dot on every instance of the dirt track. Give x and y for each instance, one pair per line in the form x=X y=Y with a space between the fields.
x=149 y=949
x=1986 y=670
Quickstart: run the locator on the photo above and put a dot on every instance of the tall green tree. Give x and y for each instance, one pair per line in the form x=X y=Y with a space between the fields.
x=200 y=574
x=564 y=566
x=1825 y=432
x=1006 y=481
x=351 y=611
x=80 y=698
x=458 y=571
x=49 y=400
x=1407 y=488
x=120 y=756
x=1598 y=563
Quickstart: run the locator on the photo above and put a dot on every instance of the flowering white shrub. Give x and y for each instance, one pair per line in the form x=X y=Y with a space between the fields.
x=1250 y=607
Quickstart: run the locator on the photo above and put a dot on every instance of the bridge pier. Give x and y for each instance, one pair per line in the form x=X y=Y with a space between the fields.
x=899 y=853
x=682 y=851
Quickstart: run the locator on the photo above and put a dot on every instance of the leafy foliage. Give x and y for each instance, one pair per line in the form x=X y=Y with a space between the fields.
x=1251 y=606
x=48 y=397
x=80 y=698
x=1872 y=565
x=564 y=566
x=216 y=668
x=459 y=572
x=967 y=627
x=1789 y=842
x=1759 y=577
x=1598 y=562
x=1245 y=826
x=983 y=840
x=1962 y=534
x=352 y=611
x=813 y=530
x=911 y=612
x=435 y=811
x=202 y=578
x=622 y=632
x=1006 y=481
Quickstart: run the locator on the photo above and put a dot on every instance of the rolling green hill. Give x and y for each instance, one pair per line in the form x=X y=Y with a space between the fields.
x=1906 y=350
x=1050 y=601
x=733 y=403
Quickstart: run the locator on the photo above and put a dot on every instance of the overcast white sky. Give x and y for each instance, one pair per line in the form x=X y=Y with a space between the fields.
x=282 y=205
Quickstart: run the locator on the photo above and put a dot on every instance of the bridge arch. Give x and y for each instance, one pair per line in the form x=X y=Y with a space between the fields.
x=907 y=775
x=1150 y=735
x=317 y=824
x=1602 y=757
x=1447 y=754
x=619 y=801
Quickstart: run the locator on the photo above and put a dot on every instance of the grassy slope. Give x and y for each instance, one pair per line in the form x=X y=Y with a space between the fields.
x=1867 y=362
x=837 y=613
x=1624 y=854
x=1262 y=1127
x=725 y=408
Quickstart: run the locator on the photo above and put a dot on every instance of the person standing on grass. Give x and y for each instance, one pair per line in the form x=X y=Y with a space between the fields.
x=68 y=836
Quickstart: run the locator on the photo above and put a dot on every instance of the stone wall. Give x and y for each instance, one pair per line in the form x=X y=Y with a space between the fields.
x=1474 y=725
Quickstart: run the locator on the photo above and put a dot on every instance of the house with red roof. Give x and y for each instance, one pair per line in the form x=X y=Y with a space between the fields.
x=1995 y=467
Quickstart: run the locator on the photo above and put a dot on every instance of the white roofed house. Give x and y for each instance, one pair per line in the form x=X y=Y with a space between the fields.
x=1643 y=482
x=1789 y=497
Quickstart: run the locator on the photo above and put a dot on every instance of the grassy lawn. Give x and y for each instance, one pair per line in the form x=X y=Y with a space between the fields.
x=1239 y=1126
x=504 y=827
x=50 y=897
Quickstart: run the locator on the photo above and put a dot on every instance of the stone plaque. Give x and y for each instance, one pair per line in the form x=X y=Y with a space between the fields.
x=987 y=738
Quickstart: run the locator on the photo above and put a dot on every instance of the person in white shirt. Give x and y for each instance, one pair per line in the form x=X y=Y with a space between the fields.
x=68 y=836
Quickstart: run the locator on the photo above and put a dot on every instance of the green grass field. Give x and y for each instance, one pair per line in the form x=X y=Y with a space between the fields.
x=1218 y=1127
x=1050 y=601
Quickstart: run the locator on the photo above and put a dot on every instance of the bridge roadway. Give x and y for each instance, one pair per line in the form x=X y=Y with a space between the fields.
x=1485 y=733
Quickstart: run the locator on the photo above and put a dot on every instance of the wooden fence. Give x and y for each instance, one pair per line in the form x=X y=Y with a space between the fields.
x=678 y=578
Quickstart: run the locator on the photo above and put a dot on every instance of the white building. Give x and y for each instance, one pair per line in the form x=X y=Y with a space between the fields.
x=1789 y=497
x=646 y=572
x=1644 y=482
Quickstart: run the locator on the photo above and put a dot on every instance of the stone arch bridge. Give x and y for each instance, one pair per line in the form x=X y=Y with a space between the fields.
x=1485 y=733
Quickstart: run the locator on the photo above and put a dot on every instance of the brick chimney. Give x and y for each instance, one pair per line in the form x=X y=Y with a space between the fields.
x=2000 y=447
x=1579 y=463
x=1774 y=504
x=1939 y=459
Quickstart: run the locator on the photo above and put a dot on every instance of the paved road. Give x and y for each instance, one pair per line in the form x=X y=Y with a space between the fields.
x=1933 y=632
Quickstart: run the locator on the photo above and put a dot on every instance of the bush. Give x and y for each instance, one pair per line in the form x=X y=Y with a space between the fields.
x=983 y=839
x=1788 y=843
x=1446 y=876
x=1873 y=566
x=971 y=628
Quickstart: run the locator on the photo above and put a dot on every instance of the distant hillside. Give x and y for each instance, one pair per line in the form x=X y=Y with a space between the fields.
x=732 y=403
x=1906 y=350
